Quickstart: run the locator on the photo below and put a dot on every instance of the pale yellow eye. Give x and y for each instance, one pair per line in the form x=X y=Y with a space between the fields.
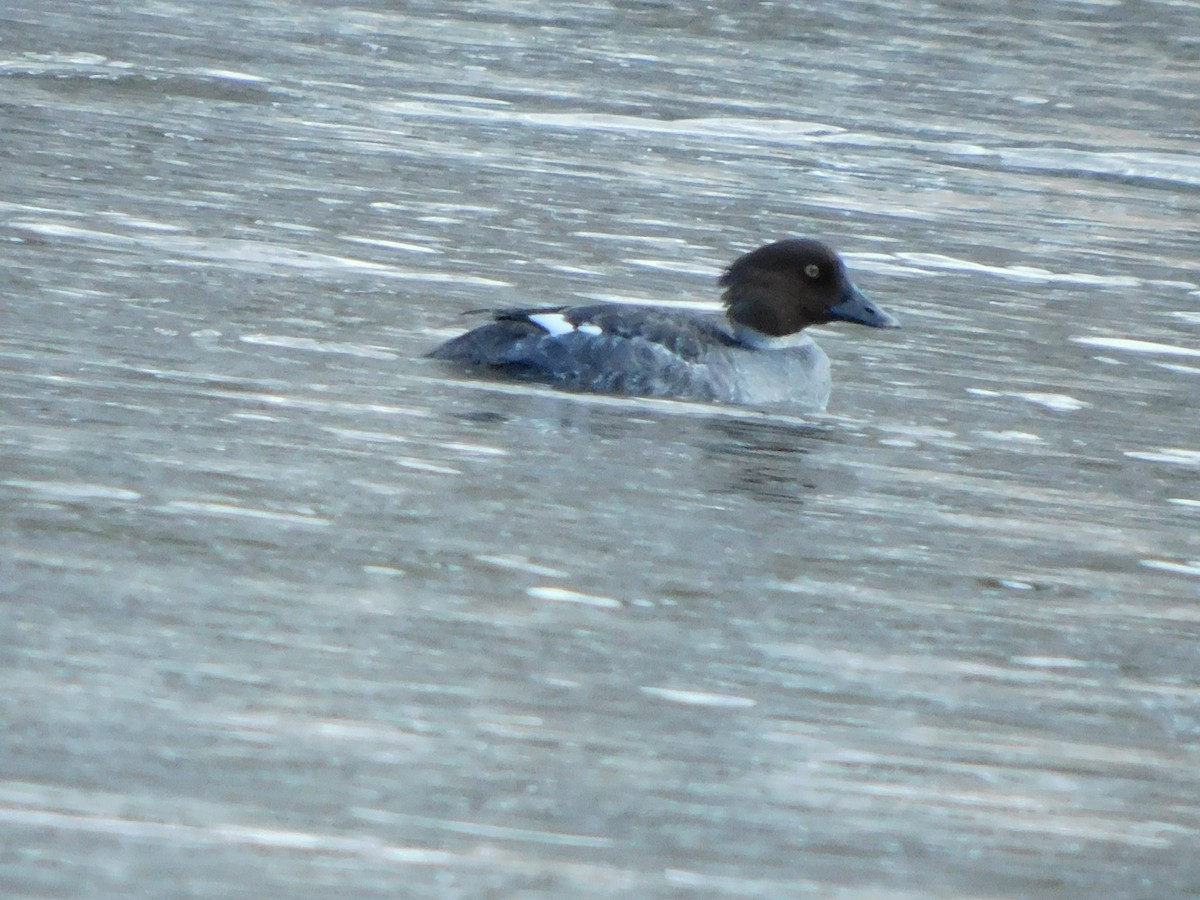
x=812 y=270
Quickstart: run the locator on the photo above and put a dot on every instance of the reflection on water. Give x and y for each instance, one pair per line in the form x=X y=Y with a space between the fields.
x=763 y=460
x=280 y=588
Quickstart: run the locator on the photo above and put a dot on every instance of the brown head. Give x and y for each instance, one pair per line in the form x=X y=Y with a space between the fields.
x=783 y=287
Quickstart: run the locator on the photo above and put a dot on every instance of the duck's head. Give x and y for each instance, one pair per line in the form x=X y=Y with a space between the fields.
x=784 y=287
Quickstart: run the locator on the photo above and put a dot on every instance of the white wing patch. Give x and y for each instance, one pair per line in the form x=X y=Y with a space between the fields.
x=555 y=324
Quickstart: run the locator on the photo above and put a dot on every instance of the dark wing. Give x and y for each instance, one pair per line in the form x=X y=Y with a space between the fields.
x=606 y=347
x=684 y=334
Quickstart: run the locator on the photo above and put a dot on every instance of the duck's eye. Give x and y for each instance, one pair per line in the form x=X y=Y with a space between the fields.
x=812 y=270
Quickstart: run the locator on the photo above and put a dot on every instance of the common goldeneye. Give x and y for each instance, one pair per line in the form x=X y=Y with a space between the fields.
x=757 y=353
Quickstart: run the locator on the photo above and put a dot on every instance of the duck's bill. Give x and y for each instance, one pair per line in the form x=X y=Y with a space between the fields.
x=853 y=306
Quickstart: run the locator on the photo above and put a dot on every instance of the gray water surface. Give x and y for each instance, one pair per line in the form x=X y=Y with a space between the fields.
x=289 y=610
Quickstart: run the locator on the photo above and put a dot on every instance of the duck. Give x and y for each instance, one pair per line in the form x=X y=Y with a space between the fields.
x=755 y=353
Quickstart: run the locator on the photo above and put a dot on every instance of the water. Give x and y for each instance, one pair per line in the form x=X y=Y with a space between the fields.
x=291 y=611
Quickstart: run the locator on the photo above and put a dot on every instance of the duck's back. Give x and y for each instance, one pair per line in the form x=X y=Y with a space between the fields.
x=606 y=348
x=642 y=351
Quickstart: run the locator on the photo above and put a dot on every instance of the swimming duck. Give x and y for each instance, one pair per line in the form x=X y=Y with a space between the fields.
x=756 y=353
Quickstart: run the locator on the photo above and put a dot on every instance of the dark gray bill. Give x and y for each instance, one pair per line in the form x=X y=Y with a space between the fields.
x=853 y=306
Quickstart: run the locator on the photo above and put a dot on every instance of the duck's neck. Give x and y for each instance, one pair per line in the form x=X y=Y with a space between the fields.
x=756 y=340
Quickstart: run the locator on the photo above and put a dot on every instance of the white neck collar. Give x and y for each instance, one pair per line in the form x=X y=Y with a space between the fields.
x=756 y=340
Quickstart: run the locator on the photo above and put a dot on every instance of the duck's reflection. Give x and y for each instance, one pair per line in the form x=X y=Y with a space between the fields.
x=668 y=448
x=767 y=461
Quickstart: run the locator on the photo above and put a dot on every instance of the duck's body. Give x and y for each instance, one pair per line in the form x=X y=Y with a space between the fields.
x=642 y=351
x=755 y=354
